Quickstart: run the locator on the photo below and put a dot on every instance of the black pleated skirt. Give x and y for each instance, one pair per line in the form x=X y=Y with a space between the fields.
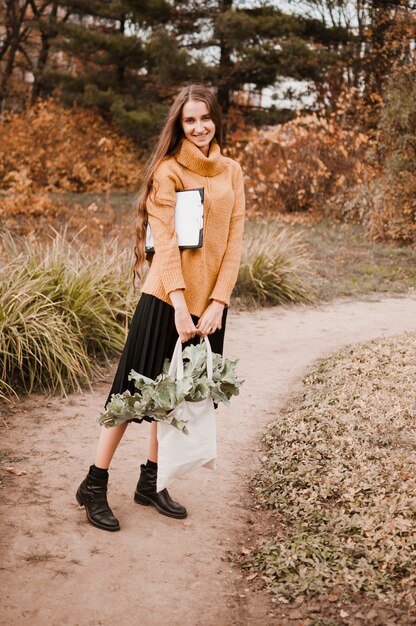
x=151 y=339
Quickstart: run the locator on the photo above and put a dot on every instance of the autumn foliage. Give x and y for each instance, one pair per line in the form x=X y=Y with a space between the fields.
x=53 y=148
x=297 y=166
x=311 y=166
x=48 y=150
x=330 y=165
x=383 y=198
x=395 y=215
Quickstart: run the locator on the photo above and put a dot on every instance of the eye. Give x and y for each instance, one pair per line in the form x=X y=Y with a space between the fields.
x=189 y=120
x=206 y=117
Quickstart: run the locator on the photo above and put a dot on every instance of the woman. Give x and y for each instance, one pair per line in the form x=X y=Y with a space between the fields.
x=186 y=292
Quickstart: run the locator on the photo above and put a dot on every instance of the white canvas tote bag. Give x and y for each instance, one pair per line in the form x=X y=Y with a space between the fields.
x=179 y=453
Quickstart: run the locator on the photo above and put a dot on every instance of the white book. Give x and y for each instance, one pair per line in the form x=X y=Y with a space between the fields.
x=189 y=220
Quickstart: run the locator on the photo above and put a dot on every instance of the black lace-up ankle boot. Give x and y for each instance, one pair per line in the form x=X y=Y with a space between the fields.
x=146 y=494
x=92 y=494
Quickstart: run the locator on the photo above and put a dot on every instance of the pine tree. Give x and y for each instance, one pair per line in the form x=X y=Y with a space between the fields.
x=128 y=57
x=120 y=59
x=253 y=45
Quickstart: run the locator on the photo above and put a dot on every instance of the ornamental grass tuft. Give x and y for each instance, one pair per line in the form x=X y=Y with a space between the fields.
x=63 y=307
x=275 y=267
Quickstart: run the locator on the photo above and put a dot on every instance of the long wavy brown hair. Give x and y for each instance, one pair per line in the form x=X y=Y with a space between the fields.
x=169 y=142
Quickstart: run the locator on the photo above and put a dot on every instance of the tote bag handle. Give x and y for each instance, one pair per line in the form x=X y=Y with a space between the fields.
x=176 y=364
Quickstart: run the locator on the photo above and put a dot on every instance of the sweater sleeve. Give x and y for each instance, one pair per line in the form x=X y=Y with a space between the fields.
x=230 y=264
x=161 y=215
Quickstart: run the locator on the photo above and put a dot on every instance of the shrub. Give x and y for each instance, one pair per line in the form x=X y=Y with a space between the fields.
x=62 y=149
x=61 y=307
x=274 y=267
x=24 y=200
x=394 y=214
x=383 y=199
x=300 y=164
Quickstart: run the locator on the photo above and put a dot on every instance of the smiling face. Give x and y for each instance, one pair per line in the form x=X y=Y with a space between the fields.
x=197 y=124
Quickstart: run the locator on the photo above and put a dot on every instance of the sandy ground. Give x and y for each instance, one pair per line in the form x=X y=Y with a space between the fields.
x=57 y=569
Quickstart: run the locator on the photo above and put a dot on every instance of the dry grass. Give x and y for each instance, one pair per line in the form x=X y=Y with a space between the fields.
x=61 y=307
x=275 y=266
x=341 y=260
x=38 y=557
x=340 y=474
x=346 y=264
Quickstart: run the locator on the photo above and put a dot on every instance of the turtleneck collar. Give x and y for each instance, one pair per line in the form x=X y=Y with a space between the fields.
x=191 y=157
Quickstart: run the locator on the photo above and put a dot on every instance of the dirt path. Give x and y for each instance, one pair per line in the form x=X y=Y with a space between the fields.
x=58 y=570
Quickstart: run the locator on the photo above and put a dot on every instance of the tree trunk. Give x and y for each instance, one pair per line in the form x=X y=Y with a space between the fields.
x=46 y=36
x=15 y=34
x=120 y=67
x=224 y=69
x=8 y=71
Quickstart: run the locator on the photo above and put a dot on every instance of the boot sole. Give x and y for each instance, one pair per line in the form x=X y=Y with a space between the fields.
x=92 y=522
x=144 y=501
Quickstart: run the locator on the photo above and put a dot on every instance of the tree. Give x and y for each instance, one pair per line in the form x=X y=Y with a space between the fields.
x=24 y=49
x=388 y=39
x=379 y=33
x=127 y=57
x=45 y=18
x=254 y=45
x=120 y=57
x=15 y=31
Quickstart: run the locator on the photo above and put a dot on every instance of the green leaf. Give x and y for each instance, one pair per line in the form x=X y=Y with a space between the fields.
x=162 y=398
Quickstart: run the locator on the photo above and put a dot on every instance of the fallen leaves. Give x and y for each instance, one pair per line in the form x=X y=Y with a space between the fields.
x=15 y=471
x=341 y=472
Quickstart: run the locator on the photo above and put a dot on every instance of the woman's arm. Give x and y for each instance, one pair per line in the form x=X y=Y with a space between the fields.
x=183 y=320
x=161 y=214
x=211 y=319
x=230 y=265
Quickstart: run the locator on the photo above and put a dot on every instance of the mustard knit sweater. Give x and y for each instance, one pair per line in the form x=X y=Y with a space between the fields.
x=204 y=273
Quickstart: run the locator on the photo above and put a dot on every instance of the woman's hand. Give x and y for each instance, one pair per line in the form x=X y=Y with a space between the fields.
x=183 y=321
x=211 y=319
x=184 y=324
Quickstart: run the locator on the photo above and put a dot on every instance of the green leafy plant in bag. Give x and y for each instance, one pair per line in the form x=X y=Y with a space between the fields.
x=161 y=398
